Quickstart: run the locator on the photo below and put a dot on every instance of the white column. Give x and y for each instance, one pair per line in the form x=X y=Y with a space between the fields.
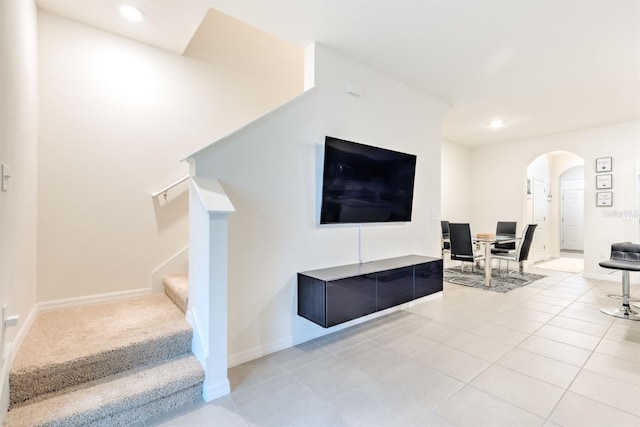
x=209 y=208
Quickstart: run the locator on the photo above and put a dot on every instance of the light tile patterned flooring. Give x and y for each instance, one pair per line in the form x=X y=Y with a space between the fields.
x=542 y=355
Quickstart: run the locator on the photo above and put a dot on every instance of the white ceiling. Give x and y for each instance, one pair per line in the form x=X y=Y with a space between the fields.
x=544 y=66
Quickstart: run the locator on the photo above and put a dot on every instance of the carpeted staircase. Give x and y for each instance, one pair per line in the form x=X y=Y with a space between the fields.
x=109 y=364
x=176 y=287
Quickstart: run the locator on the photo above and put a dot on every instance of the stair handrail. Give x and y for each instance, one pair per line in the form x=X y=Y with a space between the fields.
x=165 y=190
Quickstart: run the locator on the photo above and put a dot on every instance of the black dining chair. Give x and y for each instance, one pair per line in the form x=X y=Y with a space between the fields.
x=445 y=245
x=462 y=247
x=506 y=229
x=522 y=252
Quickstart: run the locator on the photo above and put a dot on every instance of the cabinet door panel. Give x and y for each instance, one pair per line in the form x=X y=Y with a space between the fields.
x=311 y=299
x=394 y=287
x=428 y=278
x=350 y=298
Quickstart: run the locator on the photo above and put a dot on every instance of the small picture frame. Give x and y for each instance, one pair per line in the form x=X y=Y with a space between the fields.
x=604 y=198
x=604 y=164
x=604 y=182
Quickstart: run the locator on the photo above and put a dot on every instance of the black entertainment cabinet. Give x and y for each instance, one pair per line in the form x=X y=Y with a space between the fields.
x=331 y=296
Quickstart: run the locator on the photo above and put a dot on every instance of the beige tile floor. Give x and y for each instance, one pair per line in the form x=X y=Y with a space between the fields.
x=542 y=355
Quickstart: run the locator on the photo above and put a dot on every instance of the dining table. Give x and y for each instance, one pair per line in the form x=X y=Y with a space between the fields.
x=489 y=240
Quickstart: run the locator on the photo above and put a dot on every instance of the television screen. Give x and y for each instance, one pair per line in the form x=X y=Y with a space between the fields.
x=363 y=184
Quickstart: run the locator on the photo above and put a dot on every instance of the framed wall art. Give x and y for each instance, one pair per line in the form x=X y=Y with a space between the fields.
x=604 y=182
x=604 y=164
x=604 y=198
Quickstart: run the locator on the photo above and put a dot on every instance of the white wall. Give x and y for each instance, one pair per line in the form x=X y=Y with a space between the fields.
x=116 y=118
x=18 y=149
x=272 y=171
x=498 y=181
x=456 y=180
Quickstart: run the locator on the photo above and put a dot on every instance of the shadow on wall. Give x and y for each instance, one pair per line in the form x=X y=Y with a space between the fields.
x=172 y=210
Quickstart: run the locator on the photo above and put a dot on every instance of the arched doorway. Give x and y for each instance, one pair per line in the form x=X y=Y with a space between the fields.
x=544 y=206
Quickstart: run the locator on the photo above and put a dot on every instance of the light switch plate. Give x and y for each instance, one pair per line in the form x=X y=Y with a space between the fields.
x=6 y=177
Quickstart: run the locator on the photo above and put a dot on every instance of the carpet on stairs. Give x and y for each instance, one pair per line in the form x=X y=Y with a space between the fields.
x=121 y=399
x=176 y=287
x=76 y=363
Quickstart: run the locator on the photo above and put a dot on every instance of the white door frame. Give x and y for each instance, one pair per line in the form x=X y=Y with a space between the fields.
x=540 y=236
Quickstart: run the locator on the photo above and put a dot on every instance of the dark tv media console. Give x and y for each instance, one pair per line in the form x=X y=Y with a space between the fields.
x=331 y=296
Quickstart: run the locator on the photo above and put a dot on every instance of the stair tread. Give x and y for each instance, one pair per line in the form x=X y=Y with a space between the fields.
x=69 y=346
x=75 y=333
x=101 y=398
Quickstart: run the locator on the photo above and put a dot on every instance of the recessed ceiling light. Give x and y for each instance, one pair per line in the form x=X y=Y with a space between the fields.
x=496 y=123
x=131 y=12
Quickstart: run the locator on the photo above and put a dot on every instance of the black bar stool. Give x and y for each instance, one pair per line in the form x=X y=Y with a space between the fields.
x=624 y=257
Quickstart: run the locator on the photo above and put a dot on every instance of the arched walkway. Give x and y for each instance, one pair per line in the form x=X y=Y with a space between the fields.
x=555 y=201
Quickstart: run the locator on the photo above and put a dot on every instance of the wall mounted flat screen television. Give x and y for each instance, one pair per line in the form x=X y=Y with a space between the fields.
x=364 y=184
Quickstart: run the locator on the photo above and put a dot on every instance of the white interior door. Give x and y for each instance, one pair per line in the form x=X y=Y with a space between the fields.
x=572 y=220
x=540 y=218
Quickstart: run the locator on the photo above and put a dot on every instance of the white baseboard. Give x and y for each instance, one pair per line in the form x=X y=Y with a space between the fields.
x=317 y=332
x=92 y=299
x=201 y=352
x=215 y=391
x=10 y=350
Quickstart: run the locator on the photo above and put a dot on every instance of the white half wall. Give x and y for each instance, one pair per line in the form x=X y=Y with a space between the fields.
x=498 y=183
x=116 y=119
x=272 y=169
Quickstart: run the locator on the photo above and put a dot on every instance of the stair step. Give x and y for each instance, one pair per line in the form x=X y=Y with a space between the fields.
x=177 y=288
x=70 y=346
x=118 y=400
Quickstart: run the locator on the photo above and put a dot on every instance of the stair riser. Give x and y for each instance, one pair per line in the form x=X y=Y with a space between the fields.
x=28 y=385
x=130 y=416
x=120 y=400
x=146 y=411
x=176 y=287
x=182 y=305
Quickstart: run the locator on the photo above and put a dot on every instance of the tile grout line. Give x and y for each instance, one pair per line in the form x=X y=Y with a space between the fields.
x=495 y=363
x=580 y=371
x=466 y=383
